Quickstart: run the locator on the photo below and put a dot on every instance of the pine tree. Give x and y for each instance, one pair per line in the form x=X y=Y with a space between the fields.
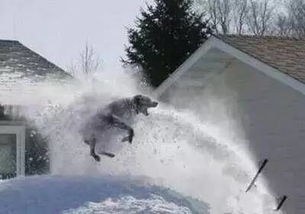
x=165 y=34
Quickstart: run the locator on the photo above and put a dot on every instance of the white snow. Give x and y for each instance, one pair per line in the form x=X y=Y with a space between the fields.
x=129 y=204
x=83 y=194
x=174 y=149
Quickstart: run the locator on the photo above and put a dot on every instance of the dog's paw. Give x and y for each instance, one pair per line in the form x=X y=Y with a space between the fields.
x=125 y=139
x=97 y=158
x=111 y=155
x=128 y=138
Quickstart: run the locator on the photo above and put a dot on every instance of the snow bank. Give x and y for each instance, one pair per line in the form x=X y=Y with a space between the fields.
x=80 y=194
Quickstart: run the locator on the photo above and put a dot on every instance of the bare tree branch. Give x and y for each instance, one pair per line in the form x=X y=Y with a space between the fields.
x=224 y=12
x=296 y=13
x=220 y=14
x=212 y=9
x=283 y=25
x=87 y=63
x=240 y=15
x=260 y=17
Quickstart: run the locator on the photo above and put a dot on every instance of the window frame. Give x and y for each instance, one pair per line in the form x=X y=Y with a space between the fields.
x=19 y=131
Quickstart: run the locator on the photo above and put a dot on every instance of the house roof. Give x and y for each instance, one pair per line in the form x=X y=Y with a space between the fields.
x=283 y=53
x=22 y=71
x=280 y=58
x=16 y=58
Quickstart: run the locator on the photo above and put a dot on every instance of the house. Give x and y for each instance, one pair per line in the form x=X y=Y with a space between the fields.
x=22 y=150
x=254 y=86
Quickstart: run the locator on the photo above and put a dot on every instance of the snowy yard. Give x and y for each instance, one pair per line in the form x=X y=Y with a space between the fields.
x=57 y=194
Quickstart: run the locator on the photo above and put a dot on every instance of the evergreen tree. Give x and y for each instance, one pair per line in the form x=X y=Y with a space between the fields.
x=164 y=36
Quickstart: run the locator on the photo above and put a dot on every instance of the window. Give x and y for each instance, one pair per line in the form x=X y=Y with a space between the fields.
x=12 y=151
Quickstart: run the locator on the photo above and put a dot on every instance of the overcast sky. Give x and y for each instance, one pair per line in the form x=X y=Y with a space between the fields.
x=59 y=29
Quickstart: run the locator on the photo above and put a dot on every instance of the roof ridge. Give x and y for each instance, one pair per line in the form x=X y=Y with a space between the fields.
x=9 y=40
x=293 y=38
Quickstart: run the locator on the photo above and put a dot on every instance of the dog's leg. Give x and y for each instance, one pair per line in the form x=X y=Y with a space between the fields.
x=121 y=125
x=107 y=154
x=92 y=150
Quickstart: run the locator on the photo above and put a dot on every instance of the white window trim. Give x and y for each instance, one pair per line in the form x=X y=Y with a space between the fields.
x=19 y=131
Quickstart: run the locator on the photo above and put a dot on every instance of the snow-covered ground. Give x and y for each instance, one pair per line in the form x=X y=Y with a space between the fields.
x=84 y=195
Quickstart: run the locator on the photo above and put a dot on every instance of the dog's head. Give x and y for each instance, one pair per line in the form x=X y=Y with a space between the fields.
x=142 y=103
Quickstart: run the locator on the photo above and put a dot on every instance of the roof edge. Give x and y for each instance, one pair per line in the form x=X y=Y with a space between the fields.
x=261 y=66
x=17 y=42
x=201 y=51
x=216 y=42
x=9 y=40
x=48 y=61
x=292 y=38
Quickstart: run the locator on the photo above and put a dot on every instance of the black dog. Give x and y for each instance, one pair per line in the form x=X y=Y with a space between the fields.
x=117 y=114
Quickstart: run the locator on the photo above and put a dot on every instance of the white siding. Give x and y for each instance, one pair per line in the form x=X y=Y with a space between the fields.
x=272 y=117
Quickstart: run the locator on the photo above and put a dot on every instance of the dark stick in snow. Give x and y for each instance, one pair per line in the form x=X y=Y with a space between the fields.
x=257 y=174
x=282 y=200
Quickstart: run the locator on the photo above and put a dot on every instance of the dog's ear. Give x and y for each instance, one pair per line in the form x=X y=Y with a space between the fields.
x=137 y=100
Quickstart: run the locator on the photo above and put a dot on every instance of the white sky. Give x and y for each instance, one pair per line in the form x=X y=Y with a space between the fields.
x=59 y=29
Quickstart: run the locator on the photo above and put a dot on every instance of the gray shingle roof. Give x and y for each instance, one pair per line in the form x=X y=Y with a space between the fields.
x=15 y=57
x=283 y=53
x=23 y=73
